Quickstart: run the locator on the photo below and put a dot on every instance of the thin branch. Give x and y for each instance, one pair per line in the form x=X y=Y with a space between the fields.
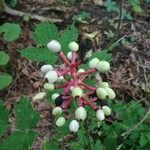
x=14 y=12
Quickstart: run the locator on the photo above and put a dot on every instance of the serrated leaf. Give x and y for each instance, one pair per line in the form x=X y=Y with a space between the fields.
x=26 y=116
x=51 y=146
x=70 y=34
x=11 y=31
x=5 y=80
x=45 y=32
x=110 y=142
x=3 y=118
x=18 y=141
x=4 y=58
x=143 y=140
x=39 y=54
x=101 y=55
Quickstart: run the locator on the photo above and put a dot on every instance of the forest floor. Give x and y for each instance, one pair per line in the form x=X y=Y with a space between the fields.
x=130 y=64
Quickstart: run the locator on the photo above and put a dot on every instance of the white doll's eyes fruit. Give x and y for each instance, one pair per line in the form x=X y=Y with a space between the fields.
x=104 y=84
x=100 y=115
x=60 y=121
x=69 y=55
x=51 y=76
x=80 y=113
x=103 y=66
x=73 y=46
x=101 y=93
x=74 y=126
x=76 y=92
x=110 y=92
x=93 y=63
x=49 y=86
x=81 y=70
x=46 y=68
x=54 y=96
x=54 y=46
x=57 y=111
x=106 y=110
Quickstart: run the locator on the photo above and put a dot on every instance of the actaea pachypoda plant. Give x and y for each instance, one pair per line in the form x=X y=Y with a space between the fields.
x=75 y=90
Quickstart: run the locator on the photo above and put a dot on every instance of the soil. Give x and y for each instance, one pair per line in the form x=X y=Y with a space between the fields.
x=130 y=63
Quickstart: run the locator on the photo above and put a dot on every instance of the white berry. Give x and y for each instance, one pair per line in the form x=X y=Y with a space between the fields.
x=74 y=126
x=73 y=46
x=106 y=110
x=60 y=78
x=54 y=46
x=69 y=55
x=51 y=76
x=80 y=113
x=60 y=121
x=46 y=68
x=111 y=93
x=81 y=70
x=100 y=115
x=103 y=66
x=76 y=91
x=57 y=111
x=104 y=84
x=101 y=93
x=93 y=62
x=54 y=96
x=49 y=86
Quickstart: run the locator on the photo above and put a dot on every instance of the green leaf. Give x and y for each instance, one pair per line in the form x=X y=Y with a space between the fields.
x=110 y=142
x=97 y=145
x=39 y=54
x=3 y=118
x=77 y=145
x=26 y=116
x=101 y=55
x=143 y=140
x=51 y=146
x=18 y=141
x=11 y=3
x=70 y=34
x=5 y=80
x=110 y=5
x=11 y=31
x=4 y=58
x=45 y=32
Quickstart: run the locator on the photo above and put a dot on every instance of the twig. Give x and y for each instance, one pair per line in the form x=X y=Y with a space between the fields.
x=127 y=133
x=138 y=124
x=13 y=12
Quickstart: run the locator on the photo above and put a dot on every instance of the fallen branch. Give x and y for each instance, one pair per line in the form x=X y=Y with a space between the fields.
x=14 y=12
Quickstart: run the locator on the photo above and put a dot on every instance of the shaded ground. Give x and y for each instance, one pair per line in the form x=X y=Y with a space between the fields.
x=130 y=62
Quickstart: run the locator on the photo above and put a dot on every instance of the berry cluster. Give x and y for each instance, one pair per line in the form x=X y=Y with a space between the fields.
x=74 y=88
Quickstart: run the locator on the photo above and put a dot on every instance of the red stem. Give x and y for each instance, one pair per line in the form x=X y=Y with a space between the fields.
x=74 y=57
x=87 y=72
x=76 y=64
x=64 y=58
x=87 y=86
x=87 y=102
